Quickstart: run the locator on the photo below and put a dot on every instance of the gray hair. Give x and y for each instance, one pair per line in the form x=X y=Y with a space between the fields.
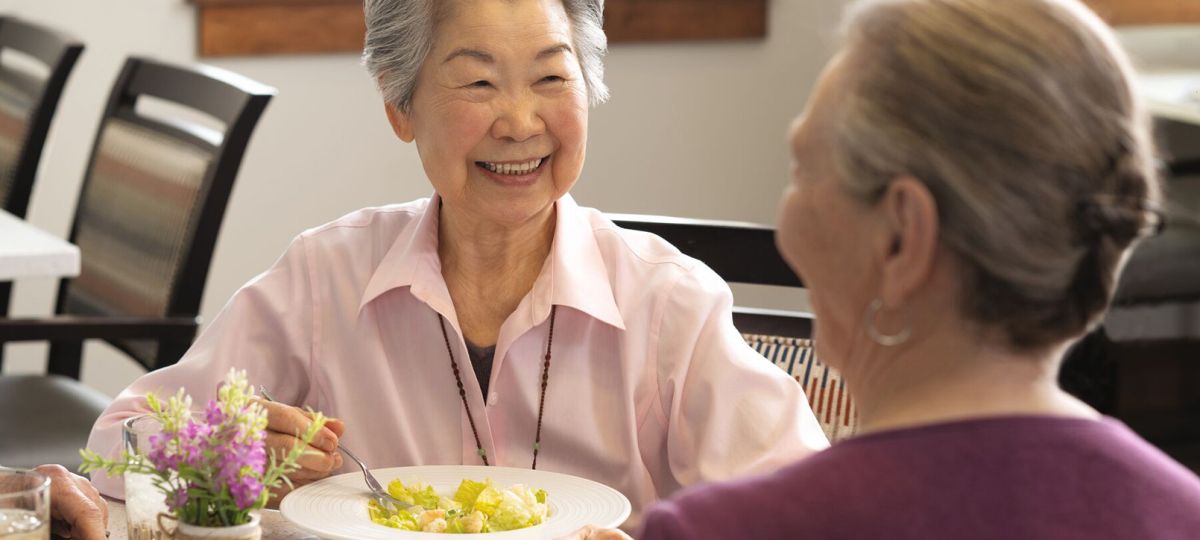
x=400 y=35
x=1019 y=117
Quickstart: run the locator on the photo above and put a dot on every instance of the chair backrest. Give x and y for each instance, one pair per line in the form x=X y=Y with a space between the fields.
x=155 y=194
x=29 y=94
x=745 y=253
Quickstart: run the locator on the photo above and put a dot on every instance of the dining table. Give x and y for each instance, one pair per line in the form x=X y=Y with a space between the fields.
x=274 y=526
x=27 y=251
x=1171 y=93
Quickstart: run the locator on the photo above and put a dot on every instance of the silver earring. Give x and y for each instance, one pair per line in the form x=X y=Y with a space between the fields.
x=887 y=340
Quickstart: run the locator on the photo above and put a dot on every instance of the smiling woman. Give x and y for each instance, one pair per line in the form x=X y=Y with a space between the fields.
x=593 y=351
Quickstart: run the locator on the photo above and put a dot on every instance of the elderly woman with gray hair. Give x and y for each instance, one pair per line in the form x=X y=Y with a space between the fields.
x=968 y=180
x=497 y=322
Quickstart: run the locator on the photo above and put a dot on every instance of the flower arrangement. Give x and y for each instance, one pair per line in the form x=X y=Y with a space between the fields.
x=213 y=468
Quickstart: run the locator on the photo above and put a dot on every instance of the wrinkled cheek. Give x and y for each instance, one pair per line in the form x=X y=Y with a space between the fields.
x=789 y=233
x=568 y=126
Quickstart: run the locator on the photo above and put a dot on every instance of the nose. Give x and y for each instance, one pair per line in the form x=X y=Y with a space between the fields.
x=518 y=119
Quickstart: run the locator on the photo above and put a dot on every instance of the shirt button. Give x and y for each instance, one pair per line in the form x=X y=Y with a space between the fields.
x=494 y=398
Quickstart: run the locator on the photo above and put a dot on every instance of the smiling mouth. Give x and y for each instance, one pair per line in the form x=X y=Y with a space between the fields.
x=511 y=168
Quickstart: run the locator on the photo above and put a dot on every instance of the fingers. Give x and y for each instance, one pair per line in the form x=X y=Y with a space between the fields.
x=608 y=534
x=314 y=462
x=591 y=532
x=76 y=502
x=294 y=421
x=337 y=426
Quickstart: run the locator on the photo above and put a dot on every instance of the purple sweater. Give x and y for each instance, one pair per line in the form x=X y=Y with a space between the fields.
x=1004 y=478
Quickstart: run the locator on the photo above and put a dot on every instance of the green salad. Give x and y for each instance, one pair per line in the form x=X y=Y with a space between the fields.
x=477 y=507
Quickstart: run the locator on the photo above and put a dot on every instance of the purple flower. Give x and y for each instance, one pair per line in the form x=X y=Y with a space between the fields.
x=213 y=414
x=179 y=499
x=240 y=458
x=193 y=441
x=161 y=454
x=246 y=491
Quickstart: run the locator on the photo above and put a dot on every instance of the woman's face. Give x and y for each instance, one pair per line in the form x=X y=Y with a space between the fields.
x=499 y=114
x=823 y=233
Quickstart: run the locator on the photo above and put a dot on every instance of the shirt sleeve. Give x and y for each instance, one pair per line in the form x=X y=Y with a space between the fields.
x=663 y=522
x=729 y=412
x=266 y=329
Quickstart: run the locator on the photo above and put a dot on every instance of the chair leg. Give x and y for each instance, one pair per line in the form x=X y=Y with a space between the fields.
x=66 y=358
x=1089 y=372
x=5 y=290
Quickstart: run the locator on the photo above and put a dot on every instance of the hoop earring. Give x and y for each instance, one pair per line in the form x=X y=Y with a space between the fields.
x=887 y=340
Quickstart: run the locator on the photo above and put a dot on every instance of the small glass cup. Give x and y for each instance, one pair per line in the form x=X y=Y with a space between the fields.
x=143 y=500
x=24 y=505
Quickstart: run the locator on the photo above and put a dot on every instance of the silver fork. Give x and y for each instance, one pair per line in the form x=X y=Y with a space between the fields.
x=382 y=497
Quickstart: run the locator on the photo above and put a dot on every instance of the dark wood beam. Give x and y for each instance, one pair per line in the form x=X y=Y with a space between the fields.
x=1134 y=12
x=261 y=27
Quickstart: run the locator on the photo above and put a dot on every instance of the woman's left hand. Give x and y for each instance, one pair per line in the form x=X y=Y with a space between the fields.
x=592 y=532
x=76 y=508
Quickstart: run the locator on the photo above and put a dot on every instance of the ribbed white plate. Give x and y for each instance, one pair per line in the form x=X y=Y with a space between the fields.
x=336 y=507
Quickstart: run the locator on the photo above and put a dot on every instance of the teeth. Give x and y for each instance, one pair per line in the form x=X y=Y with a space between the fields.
x=511 y=168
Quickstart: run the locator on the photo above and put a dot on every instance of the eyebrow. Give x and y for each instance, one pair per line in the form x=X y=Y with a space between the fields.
x=470 y=53
x=487 y=57
x=561 y=48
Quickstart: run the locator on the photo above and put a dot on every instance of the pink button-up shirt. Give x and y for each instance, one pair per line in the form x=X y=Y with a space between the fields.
x=651 y=387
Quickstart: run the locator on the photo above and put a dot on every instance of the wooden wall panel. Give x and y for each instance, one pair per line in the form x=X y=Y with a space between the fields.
x=664 y=20
x=1131 y=12
x=258 y=27
x=280 y=29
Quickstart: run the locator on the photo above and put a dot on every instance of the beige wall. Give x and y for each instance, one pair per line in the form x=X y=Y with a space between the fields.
x=692 y=130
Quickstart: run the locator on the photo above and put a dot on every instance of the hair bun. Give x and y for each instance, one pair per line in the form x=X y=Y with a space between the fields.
x=1120 y=220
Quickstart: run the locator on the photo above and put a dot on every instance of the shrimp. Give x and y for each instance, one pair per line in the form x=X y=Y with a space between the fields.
x=429 y=516
x=473 y=522
x=437 y=525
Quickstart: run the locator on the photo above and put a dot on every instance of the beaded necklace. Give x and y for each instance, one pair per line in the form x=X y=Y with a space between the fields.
x=462 y=393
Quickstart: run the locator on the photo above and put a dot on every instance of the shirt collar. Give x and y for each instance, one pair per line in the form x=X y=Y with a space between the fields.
x=574 y=275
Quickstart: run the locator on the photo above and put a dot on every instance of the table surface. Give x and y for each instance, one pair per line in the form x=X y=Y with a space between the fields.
x=1171 y=93
x=274 y=526
x=27 y=251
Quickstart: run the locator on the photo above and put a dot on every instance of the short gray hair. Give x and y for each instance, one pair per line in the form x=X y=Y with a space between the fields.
x=1020 y=118
x=400 y=35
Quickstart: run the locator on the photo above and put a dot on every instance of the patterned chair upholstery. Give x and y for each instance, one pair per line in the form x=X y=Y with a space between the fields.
x=29 y=94
x=15 y=108
x=822 y=384
x=745 y=253
x=149 y=212
x=133 y=226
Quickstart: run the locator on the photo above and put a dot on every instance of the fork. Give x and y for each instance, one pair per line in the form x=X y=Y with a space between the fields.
x=385 y=499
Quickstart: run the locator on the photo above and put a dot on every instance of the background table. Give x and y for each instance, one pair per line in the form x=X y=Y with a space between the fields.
x=27 y=251
x=1172 y=94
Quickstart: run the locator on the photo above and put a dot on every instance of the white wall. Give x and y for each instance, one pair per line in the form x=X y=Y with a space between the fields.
x=692 y=130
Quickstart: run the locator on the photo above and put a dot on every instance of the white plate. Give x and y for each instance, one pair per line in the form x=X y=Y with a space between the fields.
x=336 y=507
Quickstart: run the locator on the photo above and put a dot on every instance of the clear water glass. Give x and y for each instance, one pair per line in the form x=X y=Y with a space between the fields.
x=143 y=500
x=24 y=505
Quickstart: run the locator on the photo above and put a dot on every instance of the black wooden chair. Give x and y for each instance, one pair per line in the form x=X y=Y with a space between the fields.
x=745 y=253
x=147 y=220
x=29 y=94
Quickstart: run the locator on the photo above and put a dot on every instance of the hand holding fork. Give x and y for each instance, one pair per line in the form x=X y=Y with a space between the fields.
x=284 y=422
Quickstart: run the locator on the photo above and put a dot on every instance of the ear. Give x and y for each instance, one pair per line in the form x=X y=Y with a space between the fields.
x=910 y=248
x=401 y=122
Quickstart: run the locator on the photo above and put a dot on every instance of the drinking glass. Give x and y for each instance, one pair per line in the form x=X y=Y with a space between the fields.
x=143 y=500
x=24 y=505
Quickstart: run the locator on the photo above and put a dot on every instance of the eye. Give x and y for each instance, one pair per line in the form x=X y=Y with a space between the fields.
x=552 y=79
x=480 y=84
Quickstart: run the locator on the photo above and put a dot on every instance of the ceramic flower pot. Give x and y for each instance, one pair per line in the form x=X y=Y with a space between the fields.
x=183 y=531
